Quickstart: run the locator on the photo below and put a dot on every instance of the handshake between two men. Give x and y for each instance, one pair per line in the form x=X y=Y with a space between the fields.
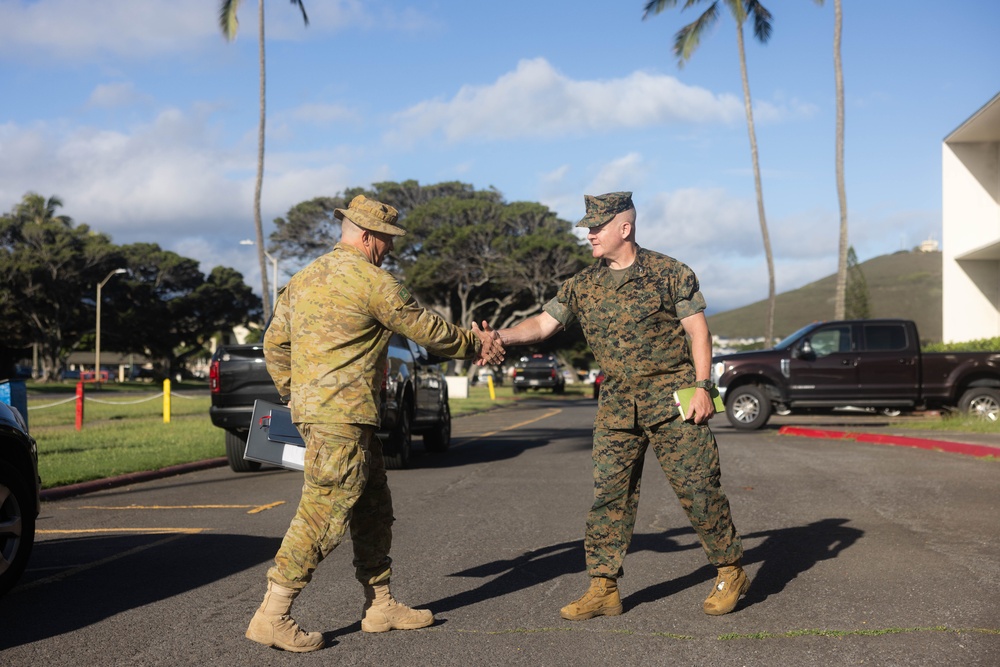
x=492 y=352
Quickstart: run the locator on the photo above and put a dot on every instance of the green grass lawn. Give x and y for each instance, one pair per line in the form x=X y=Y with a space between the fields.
x=124 y=430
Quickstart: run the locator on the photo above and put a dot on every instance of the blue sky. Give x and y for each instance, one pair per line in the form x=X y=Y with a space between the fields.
x=143 y=119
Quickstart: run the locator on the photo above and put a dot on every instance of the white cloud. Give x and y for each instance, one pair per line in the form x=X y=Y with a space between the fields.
x=69 y=28
x=693 y=220
x=323 y=114
x=535 y=100
x=130 y=28
x=625 y=173
x=164 y=181
x=113 y=95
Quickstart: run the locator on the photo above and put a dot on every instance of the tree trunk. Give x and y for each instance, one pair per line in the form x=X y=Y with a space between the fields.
x=261 y=258
x=769 y=326
x=839 y=304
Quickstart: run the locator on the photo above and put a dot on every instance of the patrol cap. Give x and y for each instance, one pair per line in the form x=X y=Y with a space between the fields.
x=371 y=215
x=602 y=208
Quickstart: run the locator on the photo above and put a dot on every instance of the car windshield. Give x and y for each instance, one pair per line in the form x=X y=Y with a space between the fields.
x=786 y=342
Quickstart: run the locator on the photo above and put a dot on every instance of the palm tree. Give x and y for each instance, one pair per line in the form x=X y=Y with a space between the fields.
x=230 y=25
x=840 y=303
x=685 y=43
x=34 y=208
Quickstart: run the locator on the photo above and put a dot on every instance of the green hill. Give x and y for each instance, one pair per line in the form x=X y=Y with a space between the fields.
x=904 y=284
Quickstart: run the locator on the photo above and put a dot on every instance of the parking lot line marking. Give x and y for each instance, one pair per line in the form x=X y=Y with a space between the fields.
x=264 y=508
x=144 y=531
x=76 y=570
x=253 y=508
x=548 y=414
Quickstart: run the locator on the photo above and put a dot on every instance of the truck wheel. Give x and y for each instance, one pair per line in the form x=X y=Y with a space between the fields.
x=236 y=444
x=981 y=402
x=439 y=439
x=401 y=440
x=17 y=525
x=748 y=408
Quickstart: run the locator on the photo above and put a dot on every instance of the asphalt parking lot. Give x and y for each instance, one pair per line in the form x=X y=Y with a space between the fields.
x=860 y=553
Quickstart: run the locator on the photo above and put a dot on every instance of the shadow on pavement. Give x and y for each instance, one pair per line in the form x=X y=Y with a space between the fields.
x=784 y=554
x=86 y=582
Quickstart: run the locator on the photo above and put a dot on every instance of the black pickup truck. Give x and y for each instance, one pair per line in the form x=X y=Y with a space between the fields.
x=539 y=371
x=414 y=400
x=861 y=363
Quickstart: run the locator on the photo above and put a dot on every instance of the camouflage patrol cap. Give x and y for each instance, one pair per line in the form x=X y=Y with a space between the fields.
x=371 y=215
x=602 y=208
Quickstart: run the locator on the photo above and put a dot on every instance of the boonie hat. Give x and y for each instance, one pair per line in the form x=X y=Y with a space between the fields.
x=602 y=208
x=371 y=215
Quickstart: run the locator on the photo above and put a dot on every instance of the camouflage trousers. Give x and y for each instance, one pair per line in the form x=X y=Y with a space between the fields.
x=689 y=456
x=345 y=484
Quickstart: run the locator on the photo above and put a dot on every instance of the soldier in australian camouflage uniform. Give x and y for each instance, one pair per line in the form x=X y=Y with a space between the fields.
x=638 y=309
x=325 y=349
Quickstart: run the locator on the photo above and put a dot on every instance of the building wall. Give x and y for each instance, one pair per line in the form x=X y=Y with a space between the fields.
x=970 y=222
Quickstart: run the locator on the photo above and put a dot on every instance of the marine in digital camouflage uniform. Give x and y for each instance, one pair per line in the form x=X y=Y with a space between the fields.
x=637 y=309
x=326 y=351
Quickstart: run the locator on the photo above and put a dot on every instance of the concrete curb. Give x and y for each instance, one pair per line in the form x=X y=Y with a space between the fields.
x=60 y=492
x=896 y=440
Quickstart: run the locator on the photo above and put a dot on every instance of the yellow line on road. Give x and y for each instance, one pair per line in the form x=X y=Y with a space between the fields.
x=548 y=414
x=254 y=509
x=144 y=531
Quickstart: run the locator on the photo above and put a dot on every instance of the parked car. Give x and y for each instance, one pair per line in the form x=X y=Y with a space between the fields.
x=598 y=379
x=539 y=371
x=868 y=364
x=20 y=488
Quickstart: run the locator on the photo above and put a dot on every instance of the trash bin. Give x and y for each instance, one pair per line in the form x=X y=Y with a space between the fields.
x=15 y=394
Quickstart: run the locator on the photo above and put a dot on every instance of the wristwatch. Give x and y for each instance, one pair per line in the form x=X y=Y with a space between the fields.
x=705 y=384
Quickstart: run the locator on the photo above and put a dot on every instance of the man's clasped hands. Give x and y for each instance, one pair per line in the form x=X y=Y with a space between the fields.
x=492 y=352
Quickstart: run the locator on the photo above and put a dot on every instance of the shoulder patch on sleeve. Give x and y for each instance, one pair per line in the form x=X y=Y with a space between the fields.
x=400 y=297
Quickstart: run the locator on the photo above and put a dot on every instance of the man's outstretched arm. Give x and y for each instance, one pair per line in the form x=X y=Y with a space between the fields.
x=532 y=330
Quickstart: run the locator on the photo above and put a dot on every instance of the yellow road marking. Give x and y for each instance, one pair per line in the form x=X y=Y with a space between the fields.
x=145 y=531
x=548 y=414
x=254 y=509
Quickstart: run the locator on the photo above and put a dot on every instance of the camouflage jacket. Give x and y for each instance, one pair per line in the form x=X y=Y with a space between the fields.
x=326 y=346
x=632 y=322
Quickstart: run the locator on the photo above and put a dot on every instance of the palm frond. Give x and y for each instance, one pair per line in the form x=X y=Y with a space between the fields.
x=303 y=8
x=761 y=21
x=657 y=6
x=228 y=22
x=687 y=38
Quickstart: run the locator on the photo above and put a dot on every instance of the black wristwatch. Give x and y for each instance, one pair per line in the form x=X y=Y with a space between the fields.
x=705 y=384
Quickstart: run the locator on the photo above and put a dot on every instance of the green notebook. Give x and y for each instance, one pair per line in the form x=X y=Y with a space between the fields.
x=682 y=397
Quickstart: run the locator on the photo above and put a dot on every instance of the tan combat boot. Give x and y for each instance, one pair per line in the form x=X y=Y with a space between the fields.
x=382 y=613
x=731 y=583
x=601 y=599
x=272 y=625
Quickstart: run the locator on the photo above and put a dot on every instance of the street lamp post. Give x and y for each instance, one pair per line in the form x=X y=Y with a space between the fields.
x=274 y=272
x=97 y=329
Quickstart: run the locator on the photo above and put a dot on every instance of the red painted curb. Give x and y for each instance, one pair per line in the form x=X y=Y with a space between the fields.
x=896 y=440
x=59 y=492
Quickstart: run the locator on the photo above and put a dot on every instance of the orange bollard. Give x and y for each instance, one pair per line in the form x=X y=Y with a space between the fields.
x=79 y=406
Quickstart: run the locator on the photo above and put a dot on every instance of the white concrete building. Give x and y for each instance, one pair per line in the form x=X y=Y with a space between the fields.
x=970 y=167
